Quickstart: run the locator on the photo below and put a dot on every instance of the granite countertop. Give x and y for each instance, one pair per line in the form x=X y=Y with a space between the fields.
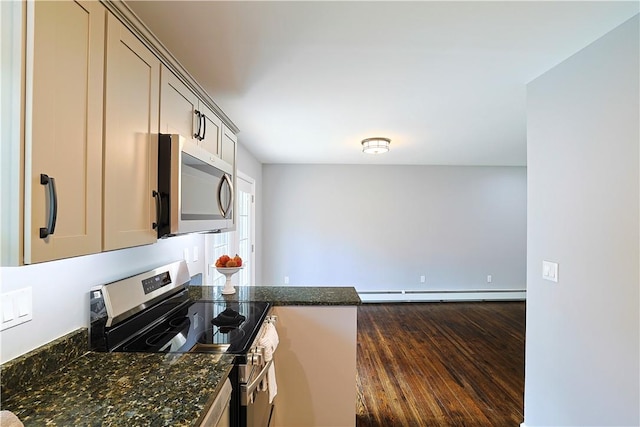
x=132 y=389
x=282 y=295
x=63 y=384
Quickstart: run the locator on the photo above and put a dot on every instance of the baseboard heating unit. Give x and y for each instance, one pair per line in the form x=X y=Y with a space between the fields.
x=428 y=296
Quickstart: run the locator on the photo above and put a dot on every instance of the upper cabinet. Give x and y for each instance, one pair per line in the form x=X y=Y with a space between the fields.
x=228 y=146
x=210 y=131
x=93 y=88
x=182 y=112
x=63 y=130
x=132 y=104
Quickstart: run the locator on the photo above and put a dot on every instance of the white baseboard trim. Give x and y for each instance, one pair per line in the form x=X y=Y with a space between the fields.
x=429 y=296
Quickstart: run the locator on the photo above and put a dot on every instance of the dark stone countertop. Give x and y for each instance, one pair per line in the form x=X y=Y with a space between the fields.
x=282 y=295
x=117 y=389
x=132 y=389
x=62 y=384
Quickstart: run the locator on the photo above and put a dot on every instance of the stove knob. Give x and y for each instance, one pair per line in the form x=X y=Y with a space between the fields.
x=255 y=358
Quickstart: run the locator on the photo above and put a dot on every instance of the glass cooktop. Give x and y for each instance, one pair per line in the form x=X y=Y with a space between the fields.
x=203 y=326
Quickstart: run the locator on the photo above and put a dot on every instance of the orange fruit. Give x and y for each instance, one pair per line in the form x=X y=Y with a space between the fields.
x=238 y=260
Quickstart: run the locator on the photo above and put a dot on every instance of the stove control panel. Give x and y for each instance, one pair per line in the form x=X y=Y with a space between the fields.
x=156 y=282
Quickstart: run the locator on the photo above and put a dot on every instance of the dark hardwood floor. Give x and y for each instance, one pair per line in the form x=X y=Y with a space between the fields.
x=441 y=364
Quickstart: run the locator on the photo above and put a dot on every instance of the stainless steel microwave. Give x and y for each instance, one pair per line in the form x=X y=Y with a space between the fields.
x=195 y=188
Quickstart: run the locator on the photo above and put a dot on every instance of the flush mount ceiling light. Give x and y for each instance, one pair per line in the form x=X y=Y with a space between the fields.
x=375 y=145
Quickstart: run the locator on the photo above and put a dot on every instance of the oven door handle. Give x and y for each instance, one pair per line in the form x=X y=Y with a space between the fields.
x=247 y=390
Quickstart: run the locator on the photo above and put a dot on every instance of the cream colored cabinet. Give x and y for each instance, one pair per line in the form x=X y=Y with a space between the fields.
x=182 y=112
x=315 y=365
x=132 y=105
x=63 y=129
x=211 y=130
x=229 y=146
x=178 y=107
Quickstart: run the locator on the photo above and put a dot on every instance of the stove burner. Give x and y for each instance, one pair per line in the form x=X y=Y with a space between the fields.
x=178 y=322
x=222 y=335
x=156 y=338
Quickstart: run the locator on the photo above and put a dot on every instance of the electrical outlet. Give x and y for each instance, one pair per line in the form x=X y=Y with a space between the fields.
x=489 y=279
x=286 y=280
x=195 y=253
x=185 y=254
x=423 y=279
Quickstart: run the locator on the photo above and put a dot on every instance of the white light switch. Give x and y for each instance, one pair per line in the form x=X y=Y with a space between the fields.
x=23 y=300
x=17 y=308
x=550 y=271
x=7 y=308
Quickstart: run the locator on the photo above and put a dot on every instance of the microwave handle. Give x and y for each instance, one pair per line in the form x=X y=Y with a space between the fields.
x=225 y=209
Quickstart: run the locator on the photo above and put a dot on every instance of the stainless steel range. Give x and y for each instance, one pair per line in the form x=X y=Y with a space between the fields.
x=152 y=312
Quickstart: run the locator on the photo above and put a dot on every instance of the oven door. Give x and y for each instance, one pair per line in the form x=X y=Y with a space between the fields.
x=254 y=398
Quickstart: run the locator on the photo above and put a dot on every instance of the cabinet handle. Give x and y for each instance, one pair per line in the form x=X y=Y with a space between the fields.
x=197 y=134
x=156 y=196
x=53 y=206
x=204 y=127
x=225 y=209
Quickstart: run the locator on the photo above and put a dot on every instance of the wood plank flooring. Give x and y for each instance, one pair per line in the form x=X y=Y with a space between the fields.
x=441 y=364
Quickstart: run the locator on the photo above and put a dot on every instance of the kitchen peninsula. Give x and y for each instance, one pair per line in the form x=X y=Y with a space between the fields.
x=64 y=384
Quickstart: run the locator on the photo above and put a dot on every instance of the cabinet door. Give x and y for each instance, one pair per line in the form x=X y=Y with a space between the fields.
x=319 y=357
x=64 y=128
x=211 y=131
x=178 y=106
x=132 y=89
x=228 y=149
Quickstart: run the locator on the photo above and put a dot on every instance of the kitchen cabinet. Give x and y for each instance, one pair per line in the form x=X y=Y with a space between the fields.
x=228 y=149
x=63 y=129
x=229 y=146
x=82 y=113
x=183 y=112
x=316 y=366
x=132 y=105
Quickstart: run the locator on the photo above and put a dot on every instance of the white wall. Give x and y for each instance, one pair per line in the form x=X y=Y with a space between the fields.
x=382 y=227
x=61 y=288
x=582 y=340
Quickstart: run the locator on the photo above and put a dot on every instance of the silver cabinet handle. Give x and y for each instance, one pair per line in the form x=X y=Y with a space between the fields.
x=247 y=390
x=50 y=182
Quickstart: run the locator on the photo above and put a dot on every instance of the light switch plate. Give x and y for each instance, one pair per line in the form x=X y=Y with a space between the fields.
x=17 y=308
x=550 y=271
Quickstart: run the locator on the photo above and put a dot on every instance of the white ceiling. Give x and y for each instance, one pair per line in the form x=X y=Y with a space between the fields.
x=306 y=81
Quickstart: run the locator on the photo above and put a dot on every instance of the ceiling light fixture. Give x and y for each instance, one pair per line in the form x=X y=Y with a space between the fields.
x=375 y=145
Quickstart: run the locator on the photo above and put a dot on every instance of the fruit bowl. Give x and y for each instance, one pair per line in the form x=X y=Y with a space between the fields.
x=228 y=272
